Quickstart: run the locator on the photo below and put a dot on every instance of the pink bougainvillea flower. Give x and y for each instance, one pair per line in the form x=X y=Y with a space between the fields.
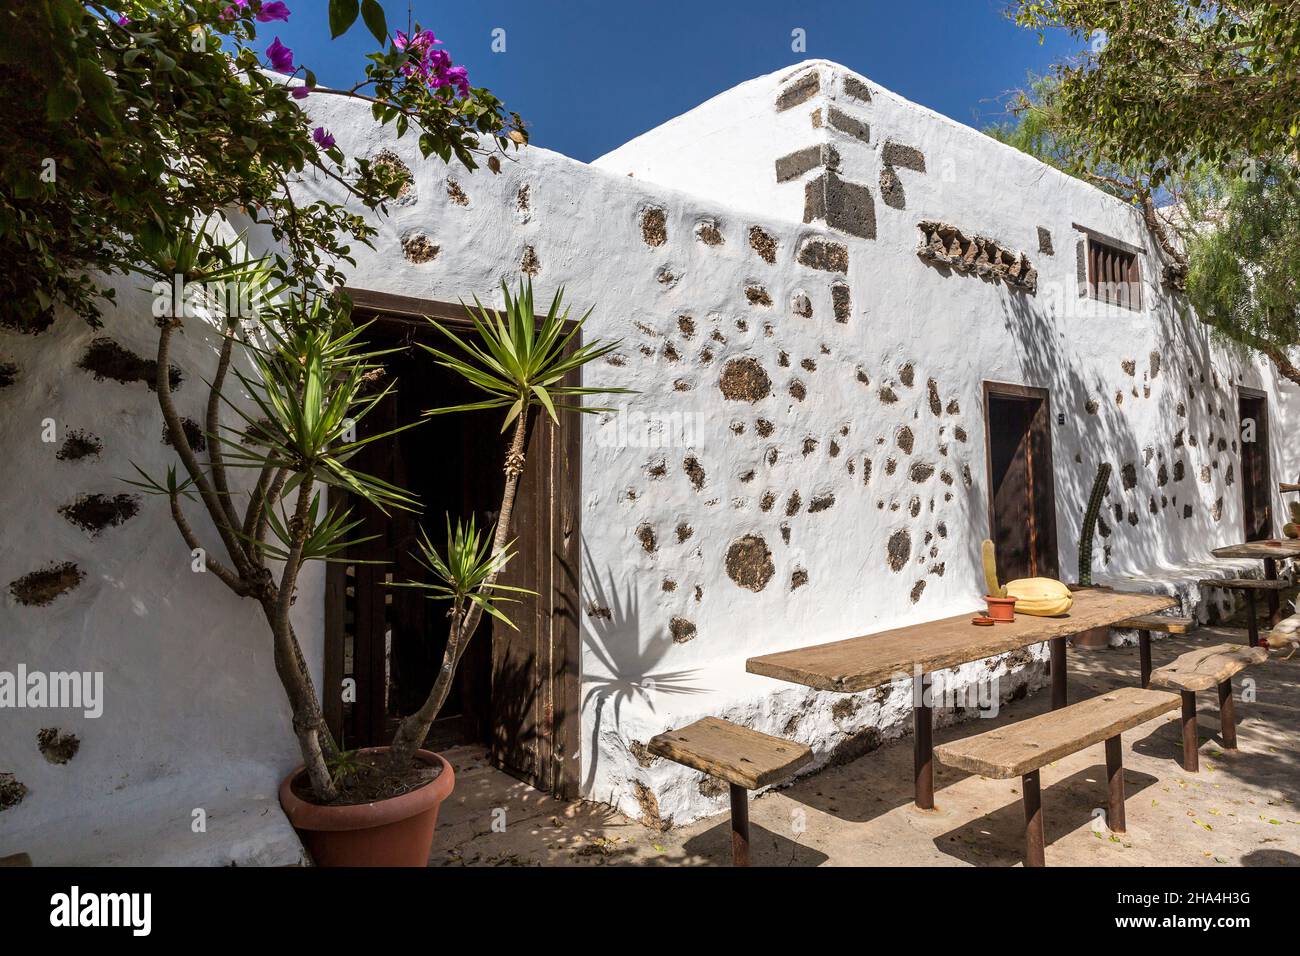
x=281 y=56
x=300 y=92
x=123 y=20
x=272 y=11
x=322 y=137
x=234 y=10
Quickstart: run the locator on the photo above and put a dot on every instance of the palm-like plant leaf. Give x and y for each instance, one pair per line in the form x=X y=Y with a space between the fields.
x=516 y=360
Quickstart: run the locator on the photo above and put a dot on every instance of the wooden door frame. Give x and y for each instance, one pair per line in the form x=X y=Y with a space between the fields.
x=1012 y=390
x=558 y=769
x=1245 y=391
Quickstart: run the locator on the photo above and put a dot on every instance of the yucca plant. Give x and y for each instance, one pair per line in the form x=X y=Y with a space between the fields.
x=520 y=364
x=308 y=385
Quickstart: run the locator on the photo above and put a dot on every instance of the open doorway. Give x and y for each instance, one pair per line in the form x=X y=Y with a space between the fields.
x=1256 y=500
x=516 y=691
x=1022 y=502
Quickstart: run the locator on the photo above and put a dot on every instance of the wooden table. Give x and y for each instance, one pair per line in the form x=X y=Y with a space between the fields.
x=915 y=651
x=1271 y=554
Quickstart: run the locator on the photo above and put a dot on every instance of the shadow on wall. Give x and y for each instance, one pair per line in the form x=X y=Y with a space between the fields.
x=611 y=635
x=1148 y=486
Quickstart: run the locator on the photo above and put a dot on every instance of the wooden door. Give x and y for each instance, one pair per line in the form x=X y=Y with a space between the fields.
x=516 y=690
x=1022 y=503
x=1256 y=500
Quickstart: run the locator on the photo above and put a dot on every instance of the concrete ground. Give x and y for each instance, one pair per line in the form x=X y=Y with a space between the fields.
x=1242 y=809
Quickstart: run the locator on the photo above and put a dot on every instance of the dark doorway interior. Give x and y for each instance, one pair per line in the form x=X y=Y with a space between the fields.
x=1022 y=504
x=1257 y=509
x=516 y=690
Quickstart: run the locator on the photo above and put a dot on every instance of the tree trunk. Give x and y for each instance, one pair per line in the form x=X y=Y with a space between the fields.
x=413 y=729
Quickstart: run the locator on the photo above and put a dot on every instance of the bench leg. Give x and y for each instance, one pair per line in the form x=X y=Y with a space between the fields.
x=1144 y=654
x=1058 y=672
x=1033 y=819
x=923 y=753
x=1252 y=619
x=1274 y=601
x=1191 y=743
x=1227 y=716
x=739 y=826
x=1115 y=777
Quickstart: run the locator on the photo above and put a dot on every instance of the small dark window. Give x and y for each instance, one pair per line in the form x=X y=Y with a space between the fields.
x=1114 y=275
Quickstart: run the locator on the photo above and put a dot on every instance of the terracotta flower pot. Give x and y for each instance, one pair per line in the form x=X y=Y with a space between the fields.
x=1091 y=639
x=395 y=832
x=1001 y=609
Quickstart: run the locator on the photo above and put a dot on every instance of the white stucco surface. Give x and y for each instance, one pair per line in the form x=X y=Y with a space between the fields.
x=584 y=225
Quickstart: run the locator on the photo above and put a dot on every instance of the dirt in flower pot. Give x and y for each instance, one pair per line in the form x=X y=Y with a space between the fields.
x=366 y=780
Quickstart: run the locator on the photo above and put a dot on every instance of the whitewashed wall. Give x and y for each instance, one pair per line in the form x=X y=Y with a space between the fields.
x=666 y=630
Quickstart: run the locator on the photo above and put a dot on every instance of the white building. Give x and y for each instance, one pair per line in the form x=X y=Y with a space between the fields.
x=819 y=440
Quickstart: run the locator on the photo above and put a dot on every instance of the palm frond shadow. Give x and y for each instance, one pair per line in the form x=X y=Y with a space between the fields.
x=629 y=665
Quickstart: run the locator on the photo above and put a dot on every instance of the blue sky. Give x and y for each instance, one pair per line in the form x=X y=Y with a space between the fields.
x=588 y=75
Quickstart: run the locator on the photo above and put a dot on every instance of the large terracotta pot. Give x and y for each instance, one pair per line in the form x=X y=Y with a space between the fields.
x=396 y=832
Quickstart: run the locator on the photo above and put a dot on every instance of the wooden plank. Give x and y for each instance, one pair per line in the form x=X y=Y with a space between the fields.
x=1285 y=548
x=861 y=663
x=1245 y=584
x=1207 y=667
x=1158 y=622
x=737 y=754
x=1023 y=747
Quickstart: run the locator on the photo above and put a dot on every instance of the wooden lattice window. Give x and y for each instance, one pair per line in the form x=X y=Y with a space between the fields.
x=1114 y=274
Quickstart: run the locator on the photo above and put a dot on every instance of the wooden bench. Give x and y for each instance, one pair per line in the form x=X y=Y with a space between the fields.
x=1147 y=623
x=1201 y=669
x=1252 y=587
x=745 y=758
x=1021 y=749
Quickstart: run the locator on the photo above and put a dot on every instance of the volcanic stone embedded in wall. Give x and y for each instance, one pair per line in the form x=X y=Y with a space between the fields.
x=193 y=432
x=818 y=253
x=798 y=578
x=94 y=513
x=820 y=503
x=744 y=380
x=905 y=439
x=841 y=301
x=654 y=226
x=1045 y=241
x=79 y=444
x=707 y=232
x=932 y=393
x=682 y=630
x=855 y=88
x=899 y=549
x=645 y=533
x=920 y=472
x=793 y=165
x=757 y=295
x=917 y=589
x=906 y=157
x=891 y=188
x=41 y=587
x=694 y=471
x=57 y=746
x=762 y=243
x=419 y=247
x=12 y=791
x=801 y=305
x=104 y=358
x=800 y=91
x=456 y=194
x=849 y=124
x=842 y=205
x=945 y=245
x=393 y=168
x=749 y=562
x=530 y=265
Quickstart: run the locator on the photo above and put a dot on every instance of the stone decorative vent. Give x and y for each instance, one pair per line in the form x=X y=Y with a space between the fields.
x=945 y=245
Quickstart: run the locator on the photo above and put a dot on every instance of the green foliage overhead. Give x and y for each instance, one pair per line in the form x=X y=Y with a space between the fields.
x=1168 y=84
x=121 y=121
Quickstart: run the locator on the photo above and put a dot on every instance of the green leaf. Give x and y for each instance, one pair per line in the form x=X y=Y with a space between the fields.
x=343 y=13
x=61 y=102
x=373 y=14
